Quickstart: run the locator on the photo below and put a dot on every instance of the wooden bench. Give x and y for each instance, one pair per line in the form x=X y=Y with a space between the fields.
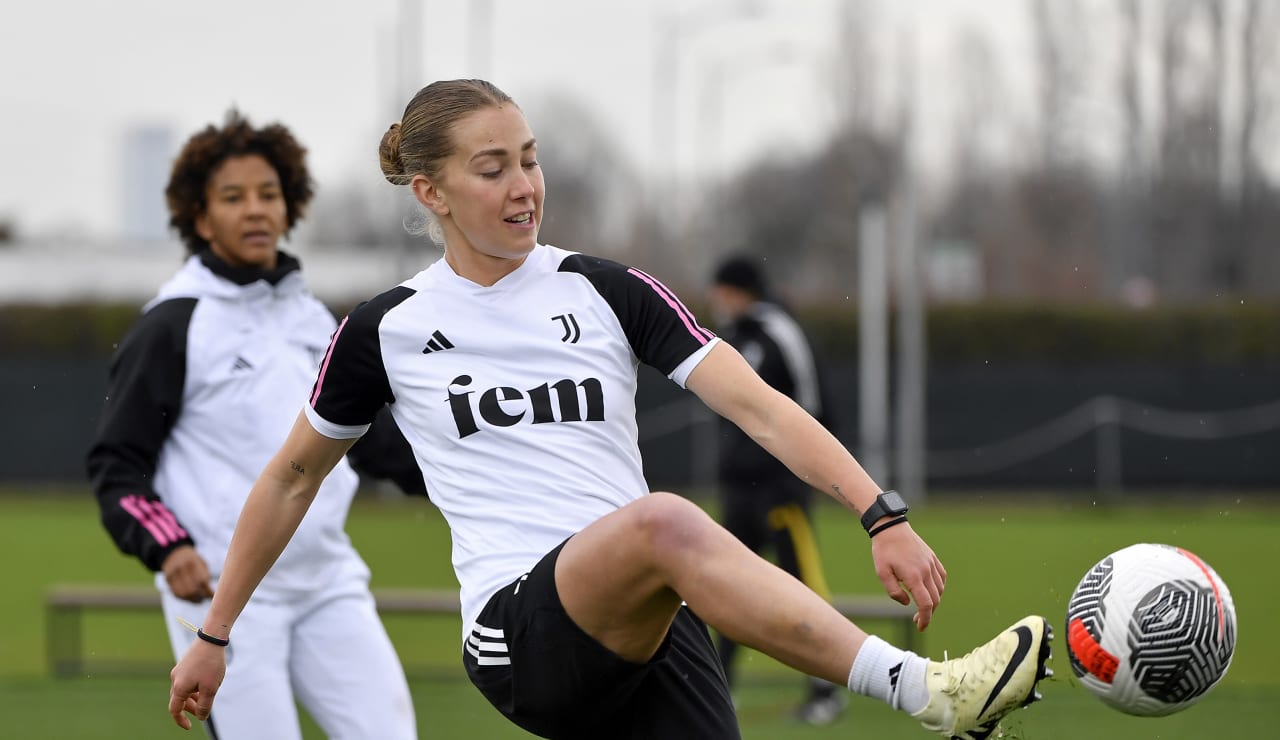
x=66 y=604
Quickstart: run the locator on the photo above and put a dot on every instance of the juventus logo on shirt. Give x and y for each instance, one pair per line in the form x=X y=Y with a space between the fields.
x=436 y=343
x=571 y=331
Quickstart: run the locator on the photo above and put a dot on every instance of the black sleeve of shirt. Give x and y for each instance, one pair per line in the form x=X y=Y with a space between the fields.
x=384 y=453
x=352 y=386
x=662 y=331
x=144 y=399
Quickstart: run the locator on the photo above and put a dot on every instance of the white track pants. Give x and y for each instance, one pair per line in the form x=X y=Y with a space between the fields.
x=327 y=650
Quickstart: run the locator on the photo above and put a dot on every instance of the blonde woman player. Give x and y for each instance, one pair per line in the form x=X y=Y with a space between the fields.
x=511 y=366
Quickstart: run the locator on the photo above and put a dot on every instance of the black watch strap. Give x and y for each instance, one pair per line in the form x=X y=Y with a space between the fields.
x=889 y=503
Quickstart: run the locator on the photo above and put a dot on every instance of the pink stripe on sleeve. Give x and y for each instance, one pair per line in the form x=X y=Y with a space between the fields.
x=173 y=521
x=156 y=514
x=324 y=367
x=164 y=518
x=702 y=335
x=132 y=504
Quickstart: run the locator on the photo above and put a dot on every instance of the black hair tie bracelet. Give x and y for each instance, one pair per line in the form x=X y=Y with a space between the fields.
x=208 y=638
x=891 y=523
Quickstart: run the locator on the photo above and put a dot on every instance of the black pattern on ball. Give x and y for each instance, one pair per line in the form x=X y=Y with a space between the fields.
x=1088 y=604
x=1176 y=649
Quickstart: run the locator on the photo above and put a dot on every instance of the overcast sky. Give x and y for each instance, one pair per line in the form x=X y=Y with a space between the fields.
x=79 y=73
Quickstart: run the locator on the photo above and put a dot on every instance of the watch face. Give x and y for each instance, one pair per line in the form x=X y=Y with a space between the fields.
x=888 y=503
x=893 y=502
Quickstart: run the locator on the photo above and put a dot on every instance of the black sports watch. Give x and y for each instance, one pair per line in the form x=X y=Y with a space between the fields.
x=889 y=503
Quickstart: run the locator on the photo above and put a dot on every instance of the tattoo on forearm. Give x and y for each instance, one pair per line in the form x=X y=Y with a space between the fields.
x=840 y=494
x=301 y=470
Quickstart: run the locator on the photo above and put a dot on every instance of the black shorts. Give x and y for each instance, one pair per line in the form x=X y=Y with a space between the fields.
x=549 y=677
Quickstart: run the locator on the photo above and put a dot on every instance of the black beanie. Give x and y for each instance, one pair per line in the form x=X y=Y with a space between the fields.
x=742 y=273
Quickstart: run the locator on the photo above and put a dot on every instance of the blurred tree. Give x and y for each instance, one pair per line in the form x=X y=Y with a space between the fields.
x=1258 y=211
x=1039 y=226
x=1062 y=66
x=1193 y=70
x=981 y=92
x=1174 y=201
x=1185 y=211
x=355 y=214
x=592 y=191
x=1133 y=159
x=1190 y=257
x=1126 y=256
x=1259 y=95
x=855 y=79
x=801 y=214
x=976 y=211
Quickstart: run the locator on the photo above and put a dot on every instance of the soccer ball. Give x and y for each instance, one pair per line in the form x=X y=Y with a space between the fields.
x=1150 y=629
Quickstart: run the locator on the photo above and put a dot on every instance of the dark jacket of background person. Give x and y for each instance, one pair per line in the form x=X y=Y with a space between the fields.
x=774 y=344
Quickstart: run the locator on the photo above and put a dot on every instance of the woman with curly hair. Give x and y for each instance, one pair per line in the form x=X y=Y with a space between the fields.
x=203 y=389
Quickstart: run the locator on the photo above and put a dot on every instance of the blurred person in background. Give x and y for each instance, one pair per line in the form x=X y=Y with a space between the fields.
x=202 y=390
x=762 y=503
x=512 y=368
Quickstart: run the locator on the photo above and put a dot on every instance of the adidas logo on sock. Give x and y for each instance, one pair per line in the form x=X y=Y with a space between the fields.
x=893 y=682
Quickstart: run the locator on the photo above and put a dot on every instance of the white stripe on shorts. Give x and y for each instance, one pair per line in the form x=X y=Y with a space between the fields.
x=487 y=659
x=484 y=650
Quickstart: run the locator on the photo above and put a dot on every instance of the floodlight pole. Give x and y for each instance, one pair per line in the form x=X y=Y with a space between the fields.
x=873 y=341
x=408 y=69
x=673 y=33
x=480 y=38
x=912 y=349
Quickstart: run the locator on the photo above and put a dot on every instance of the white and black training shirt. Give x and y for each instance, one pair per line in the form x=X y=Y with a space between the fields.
x=202 y=392
x=518 y=398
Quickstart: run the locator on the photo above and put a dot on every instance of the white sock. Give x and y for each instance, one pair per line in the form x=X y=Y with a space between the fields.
x=895 y=677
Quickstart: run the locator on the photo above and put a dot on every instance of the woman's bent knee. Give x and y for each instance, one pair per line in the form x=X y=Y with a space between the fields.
x=669 y=523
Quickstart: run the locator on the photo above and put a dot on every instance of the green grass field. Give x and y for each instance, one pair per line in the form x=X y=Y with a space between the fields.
x=1006 y=557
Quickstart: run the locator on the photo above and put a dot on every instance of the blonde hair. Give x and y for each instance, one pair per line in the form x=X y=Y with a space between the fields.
x=422 y=139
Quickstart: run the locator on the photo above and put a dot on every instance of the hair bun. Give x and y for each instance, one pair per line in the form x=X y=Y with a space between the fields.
x=389 y=156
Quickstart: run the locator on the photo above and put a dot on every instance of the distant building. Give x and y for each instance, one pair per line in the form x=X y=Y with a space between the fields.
x=953 y=271
x=147 y=153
